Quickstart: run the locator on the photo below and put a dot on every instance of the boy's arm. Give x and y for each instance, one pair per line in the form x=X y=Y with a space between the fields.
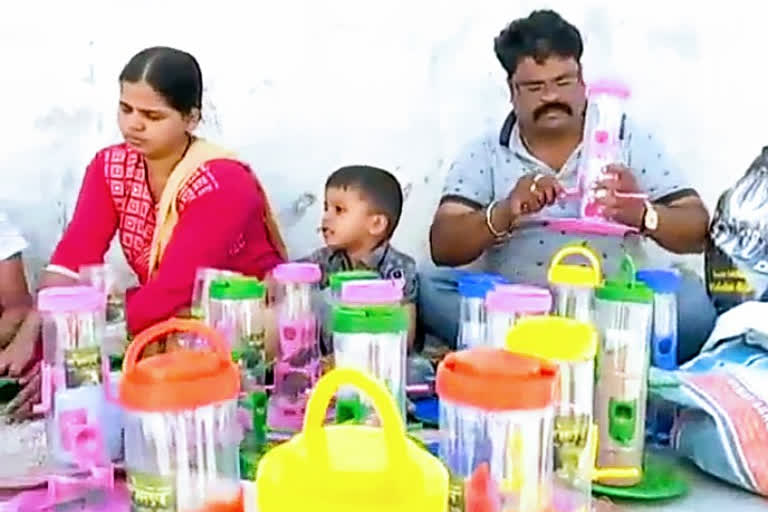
x=410 y=278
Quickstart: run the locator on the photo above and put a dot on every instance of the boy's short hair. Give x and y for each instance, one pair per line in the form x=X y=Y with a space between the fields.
x=379 y=187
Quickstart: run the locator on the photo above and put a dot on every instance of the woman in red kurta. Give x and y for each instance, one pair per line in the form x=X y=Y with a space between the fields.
x=221 y=225
x=177 y=203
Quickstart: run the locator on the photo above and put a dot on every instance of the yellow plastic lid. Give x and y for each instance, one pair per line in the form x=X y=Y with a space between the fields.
x=553 y=338
x=575 y=275
x=350 y=468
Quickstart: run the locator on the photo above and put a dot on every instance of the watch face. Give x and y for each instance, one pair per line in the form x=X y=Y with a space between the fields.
x=651 y=219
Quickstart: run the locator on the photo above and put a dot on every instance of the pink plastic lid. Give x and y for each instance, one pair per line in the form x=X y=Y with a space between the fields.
x=611 y=87
x=374 y=291
x=516 y=298
x=307 y=273
x=69 y=299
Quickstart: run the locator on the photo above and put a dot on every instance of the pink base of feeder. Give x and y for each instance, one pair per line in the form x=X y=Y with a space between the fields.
x=589 y=226
x=118 y=498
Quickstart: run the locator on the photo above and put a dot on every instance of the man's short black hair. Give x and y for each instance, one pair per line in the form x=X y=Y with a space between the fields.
x=379 y=187
x=542 y=34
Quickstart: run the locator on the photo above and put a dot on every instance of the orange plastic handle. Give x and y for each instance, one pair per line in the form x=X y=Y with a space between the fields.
x=215 y=340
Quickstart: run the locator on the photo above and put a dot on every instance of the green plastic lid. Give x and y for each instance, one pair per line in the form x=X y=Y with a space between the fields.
x=337 y=280
x=625 y=287
x=369 y=319
x=237 y=288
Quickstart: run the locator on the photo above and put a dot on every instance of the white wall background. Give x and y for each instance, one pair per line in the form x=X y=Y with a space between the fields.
x=300 y=87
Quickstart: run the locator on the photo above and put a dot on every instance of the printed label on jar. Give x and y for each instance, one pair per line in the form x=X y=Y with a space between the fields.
x=151 y=493
x=456 y=494
x=83 y=366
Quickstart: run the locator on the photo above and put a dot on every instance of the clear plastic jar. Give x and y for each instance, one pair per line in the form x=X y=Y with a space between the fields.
x=298 y=355
x=496 y=412
x=81 y=431
x=331 y=296
x=237 y=312
x=373 y=339
x=181 y=433
x=507 y=303
x=103 y=278
x=473 y=288
x=571 y=345
x=624 y=314
x=665 y=285
x=573 y=286
x=201 y=290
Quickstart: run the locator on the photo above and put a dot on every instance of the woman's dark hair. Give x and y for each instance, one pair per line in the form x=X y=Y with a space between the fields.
x=542 y=34
x=174 y=74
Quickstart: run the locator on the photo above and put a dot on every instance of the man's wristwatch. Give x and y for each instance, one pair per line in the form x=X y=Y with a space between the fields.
x=650 y=218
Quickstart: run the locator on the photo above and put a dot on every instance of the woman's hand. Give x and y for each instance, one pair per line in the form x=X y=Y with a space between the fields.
x=21 y=359
x=21 y=407
x=25 y=349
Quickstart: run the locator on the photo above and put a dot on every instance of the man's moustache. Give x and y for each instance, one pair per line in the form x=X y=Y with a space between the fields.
x=552 y=106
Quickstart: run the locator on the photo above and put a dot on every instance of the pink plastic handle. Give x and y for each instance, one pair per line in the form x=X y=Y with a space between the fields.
x=575 y=192
x=46 y=390
x=631 y=195
x=67 y=488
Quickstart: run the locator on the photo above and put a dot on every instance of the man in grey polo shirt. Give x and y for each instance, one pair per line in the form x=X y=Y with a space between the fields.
x=505 y=181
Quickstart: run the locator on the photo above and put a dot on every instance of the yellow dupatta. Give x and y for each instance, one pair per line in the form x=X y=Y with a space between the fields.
x=199 y=152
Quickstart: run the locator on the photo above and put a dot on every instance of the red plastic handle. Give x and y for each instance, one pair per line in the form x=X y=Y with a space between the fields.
x=215 y=341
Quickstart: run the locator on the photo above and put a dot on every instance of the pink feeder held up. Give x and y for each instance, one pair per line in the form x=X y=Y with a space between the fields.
x=605 y=140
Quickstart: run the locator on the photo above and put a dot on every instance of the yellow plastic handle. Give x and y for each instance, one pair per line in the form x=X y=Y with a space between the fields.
x=615 y=473
x=608 y=473
x=576 y=250
x=383 y=403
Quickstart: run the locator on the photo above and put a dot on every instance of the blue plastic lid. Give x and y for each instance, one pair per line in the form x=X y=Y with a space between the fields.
x=660 y=280
x=476 y=285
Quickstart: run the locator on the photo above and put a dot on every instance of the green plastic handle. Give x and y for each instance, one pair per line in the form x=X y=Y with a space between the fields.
x=627 y=270
x=259 y=415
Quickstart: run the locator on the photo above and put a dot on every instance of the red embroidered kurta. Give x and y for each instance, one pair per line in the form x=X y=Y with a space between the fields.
x=221 y=225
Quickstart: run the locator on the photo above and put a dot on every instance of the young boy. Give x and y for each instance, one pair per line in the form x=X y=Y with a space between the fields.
x=362 y=209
